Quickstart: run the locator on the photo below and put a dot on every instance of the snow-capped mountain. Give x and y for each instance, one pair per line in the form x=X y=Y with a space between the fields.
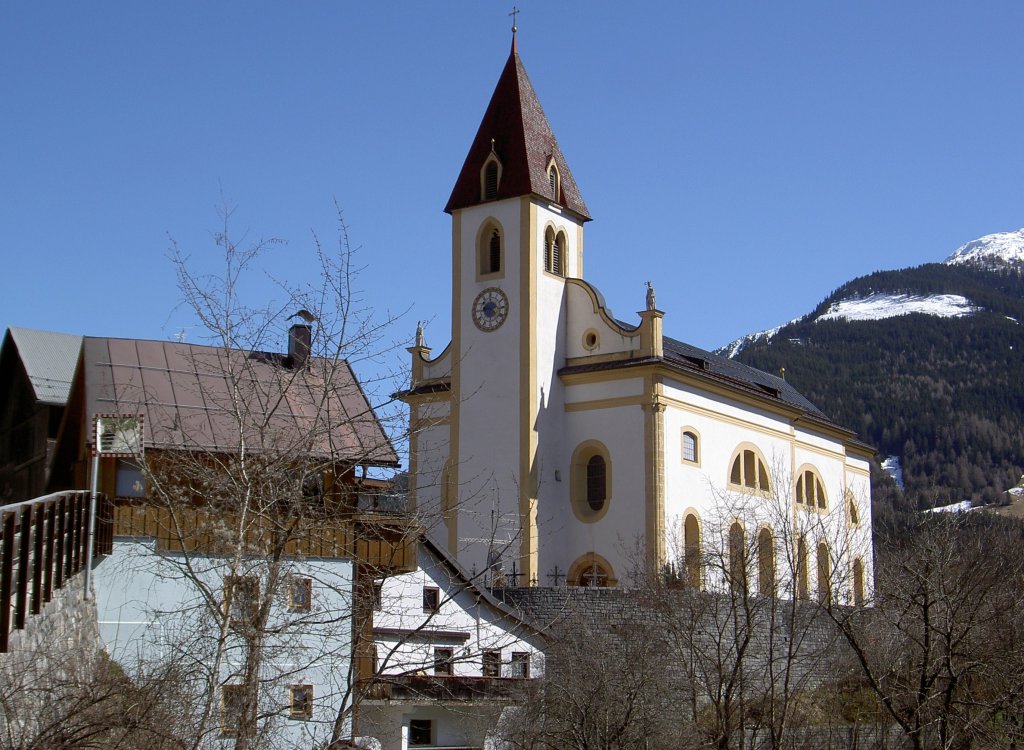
x=993 y=251
x=924 y=364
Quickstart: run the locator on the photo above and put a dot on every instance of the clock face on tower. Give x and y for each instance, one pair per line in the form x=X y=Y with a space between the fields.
x=490 y=308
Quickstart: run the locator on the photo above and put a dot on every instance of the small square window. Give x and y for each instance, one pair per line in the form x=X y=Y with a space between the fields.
x=443 y=661
x=231 y=700
x=491 y=664
x=300 y=594
x=520 y=665
x=300 y=701
x=378 y=596
x=431 y=599
x=421 y=732
x=241 y=598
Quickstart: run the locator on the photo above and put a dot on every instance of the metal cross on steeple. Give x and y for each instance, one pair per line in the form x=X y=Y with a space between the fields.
x=514 y=13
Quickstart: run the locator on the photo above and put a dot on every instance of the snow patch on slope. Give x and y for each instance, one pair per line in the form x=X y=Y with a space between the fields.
x=733 y=348
x=882 y=305
x=992 y=250
x=892 y=466
x=961 y=507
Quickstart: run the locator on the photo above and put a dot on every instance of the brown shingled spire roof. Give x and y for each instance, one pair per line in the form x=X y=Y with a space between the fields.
x=523 y=142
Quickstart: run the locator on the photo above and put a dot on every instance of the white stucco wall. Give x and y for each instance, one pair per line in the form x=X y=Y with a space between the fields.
x=150 y=613
x=463 y=622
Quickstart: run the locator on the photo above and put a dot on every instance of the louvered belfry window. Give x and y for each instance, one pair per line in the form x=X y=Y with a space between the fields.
x=553 y=180
x=491 y=181
x=553 y=244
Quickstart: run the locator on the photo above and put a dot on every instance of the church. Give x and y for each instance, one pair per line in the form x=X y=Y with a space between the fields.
x=555 y=444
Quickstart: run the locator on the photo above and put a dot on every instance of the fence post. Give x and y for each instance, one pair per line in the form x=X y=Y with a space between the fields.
x=38 y=528
x=24 y=550
x=6 y=577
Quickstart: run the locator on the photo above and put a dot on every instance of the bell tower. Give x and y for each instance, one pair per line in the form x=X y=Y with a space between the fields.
x=517 y=234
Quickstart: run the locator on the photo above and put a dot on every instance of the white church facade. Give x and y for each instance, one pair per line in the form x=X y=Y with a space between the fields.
x=559 y=445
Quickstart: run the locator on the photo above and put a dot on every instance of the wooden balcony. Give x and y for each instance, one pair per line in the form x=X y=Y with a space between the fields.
x=414 y=688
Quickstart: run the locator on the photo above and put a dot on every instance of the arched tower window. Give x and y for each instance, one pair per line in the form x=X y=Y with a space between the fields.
x=490 y=253
x=590 y=481
x=554 y=252
x=691 y=550
x=765 y=563
x=750 y=471
x=824 y=575
x=553 y=181
x=494 y=252
x=810 y=492
x=737 y=558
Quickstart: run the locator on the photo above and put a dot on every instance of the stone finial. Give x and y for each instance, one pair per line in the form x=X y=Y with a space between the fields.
x=651 y=304
x=421 y=341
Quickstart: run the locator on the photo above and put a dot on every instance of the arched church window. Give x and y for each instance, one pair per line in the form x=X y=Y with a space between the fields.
x=692 y=558
x=737 y=558
x=690 y=454
x=851 y=503
x=802 y=586
x=750 y=471
x=590 y=481
x=553 y=181
x=765 y=563
x=810 y=492
x=858 y=582
x=824 y=573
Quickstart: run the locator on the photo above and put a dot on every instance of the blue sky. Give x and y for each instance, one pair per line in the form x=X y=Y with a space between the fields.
x=746 y=157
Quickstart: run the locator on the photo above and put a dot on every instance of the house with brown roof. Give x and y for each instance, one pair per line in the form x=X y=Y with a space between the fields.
x=241 y=505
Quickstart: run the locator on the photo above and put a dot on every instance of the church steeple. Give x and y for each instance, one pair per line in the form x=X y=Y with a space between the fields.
x=515 y=129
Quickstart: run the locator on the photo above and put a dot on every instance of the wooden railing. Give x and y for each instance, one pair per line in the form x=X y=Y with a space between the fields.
x=387 y=545
x=42 y=544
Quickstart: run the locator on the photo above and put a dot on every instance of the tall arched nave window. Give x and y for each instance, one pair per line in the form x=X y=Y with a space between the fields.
x=692 y=554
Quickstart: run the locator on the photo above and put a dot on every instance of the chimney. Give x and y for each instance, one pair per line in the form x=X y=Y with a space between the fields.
x=300 y=339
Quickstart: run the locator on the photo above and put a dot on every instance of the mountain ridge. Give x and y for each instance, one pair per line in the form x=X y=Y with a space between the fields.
x=924 y=363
